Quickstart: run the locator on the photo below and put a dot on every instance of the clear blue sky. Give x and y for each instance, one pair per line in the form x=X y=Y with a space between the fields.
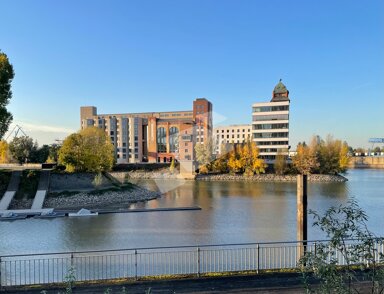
x=133 y=56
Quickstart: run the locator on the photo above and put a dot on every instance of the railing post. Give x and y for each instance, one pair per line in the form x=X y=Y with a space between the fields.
x=135 y=264
x=1 y=283
x=198 y=262
x=258 y=257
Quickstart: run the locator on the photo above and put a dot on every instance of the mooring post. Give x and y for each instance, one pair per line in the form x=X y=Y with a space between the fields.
x=302 y=203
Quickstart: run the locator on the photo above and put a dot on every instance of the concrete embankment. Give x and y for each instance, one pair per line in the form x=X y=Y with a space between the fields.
x=367 y=162
x=141 y=174
x=270 y=178
x=78 y=190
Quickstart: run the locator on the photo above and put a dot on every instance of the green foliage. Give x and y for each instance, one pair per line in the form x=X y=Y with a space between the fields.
x=220 y=165
x=21 y=148
x=98 y=180
x=6 y=76
x=53 y=153
x=349 y=238
x=69 y=280
x=89 y=150
x=39 y=155
x=204 y=153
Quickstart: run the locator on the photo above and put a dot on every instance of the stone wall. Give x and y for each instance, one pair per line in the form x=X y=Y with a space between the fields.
x=367 y=162
x=141 y=174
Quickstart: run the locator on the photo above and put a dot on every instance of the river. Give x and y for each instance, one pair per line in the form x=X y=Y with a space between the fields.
x=232 y=212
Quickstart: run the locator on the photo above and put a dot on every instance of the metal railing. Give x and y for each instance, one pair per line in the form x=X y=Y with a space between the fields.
x=29 y=269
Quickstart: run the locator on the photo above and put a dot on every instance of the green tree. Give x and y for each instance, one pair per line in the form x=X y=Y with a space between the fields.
x=204 y=154
x=6 y=76
x=349 y=238
x=53 y=153
x=21 y=148
x=89 y=150
x=40 y=155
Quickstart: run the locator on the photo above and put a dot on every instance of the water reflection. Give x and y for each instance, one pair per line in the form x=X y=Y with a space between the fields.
x=232 y=212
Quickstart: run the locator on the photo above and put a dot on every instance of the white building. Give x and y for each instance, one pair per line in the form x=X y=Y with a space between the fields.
x=270 y=124
x=233 y=134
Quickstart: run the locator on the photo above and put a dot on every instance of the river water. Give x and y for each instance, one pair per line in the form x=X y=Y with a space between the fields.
x=232 y=212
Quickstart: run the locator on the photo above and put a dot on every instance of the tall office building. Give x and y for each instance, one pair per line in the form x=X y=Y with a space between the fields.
x=153 y=136
x=270 y=124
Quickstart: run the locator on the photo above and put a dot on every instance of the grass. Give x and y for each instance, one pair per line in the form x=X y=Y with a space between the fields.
x=28 y=184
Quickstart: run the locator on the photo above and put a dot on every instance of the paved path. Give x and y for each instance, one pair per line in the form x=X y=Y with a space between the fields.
x=42 y=189
x=11 y=190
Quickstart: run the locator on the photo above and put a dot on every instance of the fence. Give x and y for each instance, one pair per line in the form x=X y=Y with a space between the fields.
x=18 y=270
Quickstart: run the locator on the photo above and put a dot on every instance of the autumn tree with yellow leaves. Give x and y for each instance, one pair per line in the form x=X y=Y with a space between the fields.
x=245 y=159
x=328 y=156
x=5 y=154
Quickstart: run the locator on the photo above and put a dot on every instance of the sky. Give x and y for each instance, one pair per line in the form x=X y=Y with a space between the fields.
x=137 y=56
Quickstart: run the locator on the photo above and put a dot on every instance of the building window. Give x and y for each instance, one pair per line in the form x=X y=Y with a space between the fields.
x=173 y=139
x=161 y=140
x=186 y=150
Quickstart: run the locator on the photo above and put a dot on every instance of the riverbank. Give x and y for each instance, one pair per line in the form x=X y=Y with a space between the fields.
x=79 y=190
x=270 y=178
x=91 y=200
x=123 y=177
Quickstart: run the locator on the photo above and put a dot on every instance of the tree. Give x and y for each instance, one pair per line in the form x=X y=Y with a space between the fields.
x=332 y=156
x=325 y=157
x=89 y=150
x=53 y=153
x=280 y=164
x=21 y=148
x=39 y=155
x=5 y=154
x=6 y=76
x=305 y=160
x=204 y=153
x=245 y=159
x=349 y=238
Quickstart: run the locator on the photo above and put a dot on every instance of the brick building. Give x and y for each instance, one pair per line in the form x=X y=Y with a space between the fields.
x=154 y=136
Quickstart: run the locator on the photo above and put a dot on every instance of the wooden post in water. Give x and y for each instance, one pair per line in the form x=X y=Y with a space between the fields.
x=302 y=203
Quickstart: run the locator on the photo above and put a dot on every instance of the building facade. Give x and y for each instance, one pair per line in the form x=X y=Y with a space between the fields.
x=270 y=124
x=153 y=136
x=233 y=134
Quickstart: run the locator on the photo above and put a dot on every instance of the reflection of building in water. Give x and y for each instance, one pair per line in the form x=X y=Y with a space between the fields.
x=153 y=136
x=270 y=123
